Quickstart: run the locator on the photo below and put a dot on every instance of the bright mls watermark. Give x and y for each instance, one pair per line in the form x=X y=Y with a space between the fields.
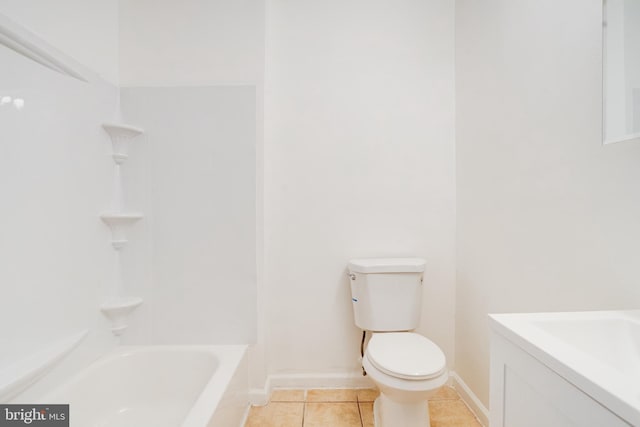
x=34 y=415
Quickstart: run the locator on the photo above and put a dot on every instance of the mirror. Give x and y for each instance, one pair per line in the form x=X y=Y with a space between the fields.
x=621 y=70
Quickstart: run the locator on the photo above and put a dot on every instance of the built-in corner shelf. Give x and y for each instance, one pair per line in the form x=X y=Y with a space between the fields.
x=119 y=307
x=117 y=310
x=118 y=223
x=120 y=134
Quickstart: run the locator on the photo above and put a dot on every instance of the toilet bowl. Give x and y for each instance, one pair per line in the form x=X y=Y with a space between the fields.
x=407 y=368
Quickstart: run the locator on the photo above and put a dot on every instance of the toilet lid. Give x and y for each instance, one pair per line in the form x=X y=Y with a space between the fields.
x=406 y=355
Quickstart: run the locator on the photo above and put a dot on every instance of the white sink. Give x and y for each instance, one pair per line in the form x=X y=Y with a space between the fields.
x=613 y=341
x=599 y=352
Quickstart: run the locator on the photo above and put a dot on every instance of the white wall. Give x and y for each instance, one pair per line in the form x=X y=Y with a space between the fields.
x=199 y=179
x=359 y=162
x=86 y=30
x=55 y=180
x=192 y=73
x=190 y=42
x=547 y=216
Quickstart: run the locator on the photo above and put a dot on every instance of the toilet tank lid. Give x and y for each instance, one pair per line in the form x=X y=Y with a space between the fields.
x=387 y=265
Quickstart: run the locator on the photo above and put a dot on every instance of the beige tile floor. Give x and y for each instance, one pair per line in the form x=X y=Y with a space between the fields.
x=348 y=408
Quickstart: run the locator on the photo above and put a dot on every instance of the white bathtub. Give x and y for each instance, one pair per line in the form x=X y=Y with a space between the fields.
x=159 y=386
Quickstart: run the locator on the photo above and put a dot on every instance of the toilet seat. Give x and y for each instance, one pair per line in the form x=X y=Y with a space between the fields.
x=406 y=355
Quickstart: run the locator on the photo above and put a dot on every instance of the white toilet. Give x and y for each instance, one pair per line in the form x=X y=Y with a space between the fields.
x=406 y=367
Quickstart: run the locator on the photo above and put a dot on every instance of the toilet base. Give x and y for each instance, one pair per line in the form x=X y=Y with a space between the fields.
x=388 y=413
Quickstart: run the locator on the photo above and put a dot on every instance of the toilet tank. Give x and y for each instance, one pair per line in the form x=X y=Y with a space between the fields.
x=386 y=293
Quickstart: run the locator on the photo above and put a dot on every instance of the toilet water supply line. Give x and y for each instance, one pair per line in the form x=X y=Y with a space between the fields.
x=364 y=335
x=364 y=332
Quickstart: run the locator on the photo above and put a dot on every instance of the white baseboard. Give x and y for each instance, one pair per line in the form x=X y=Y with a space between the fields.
x=246 y=416
x=314 y=380
x=470 y=398
x=259 y=396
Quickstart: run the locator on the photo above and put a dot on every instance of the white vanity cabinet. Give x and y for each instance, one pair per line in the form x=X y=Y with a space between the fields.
x=574 y=369
x=527 y=393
